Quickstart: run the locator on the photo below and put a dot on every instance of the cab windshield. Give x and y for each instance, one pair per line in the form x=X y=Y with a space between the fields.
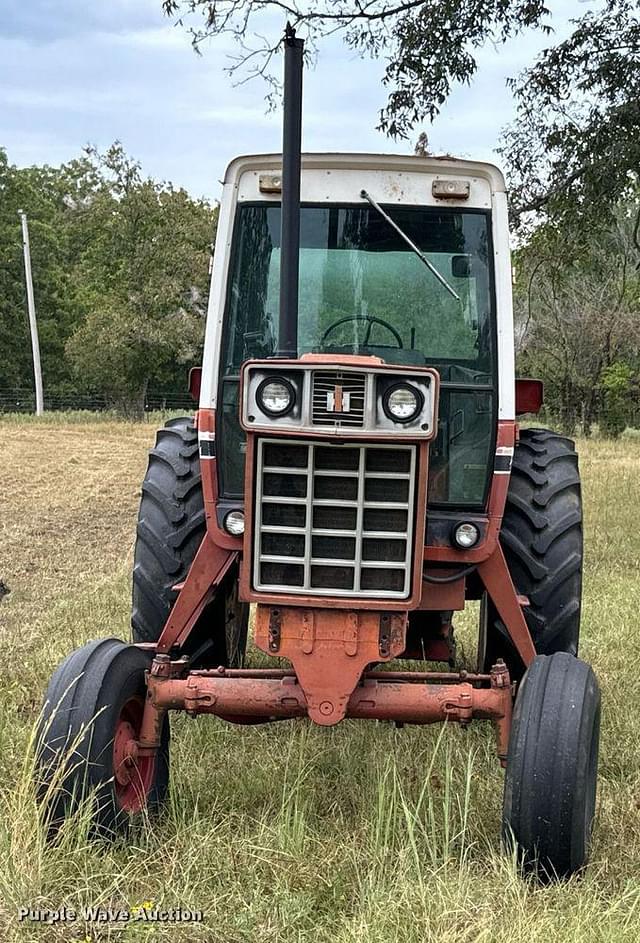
x=363 y=290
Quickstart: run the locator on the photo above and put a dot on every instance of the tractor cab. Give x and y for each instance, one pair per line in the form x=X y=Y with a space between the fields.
x=377 y=448
x=402 y=259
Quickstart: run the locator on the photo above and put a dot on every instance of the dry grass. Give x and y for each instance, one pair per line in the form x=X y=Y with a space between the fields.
x=290 y=832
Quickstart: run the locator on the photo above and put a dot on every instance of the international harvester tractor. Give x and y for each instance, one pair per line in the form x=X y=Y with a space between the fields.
x=355 y=472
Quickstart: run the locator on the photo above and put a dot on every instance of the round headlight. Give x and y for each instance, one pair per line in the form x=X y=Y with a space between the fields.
x=234 y=523
x=466 y=536
x=276 y=396
x=402 y=402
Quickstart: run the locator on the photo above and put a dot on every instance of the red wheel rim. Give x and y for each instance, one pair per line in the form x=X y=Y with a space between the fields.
x=133 y=774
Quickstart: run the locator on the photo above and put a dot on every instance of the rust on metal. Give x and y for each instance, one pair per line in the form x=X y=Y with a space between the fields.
x=133 y=765
x=275 y=626
x=415 y=677
x=209 y=567
x=496 y=578
x=372 y=699
x=330 y=649
x=384 y=636
x=351 y=634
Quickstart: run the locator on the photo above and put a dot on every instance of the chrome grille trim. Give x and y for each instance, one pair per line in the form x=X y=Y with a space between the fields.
x=324 y=384
x=352 y=562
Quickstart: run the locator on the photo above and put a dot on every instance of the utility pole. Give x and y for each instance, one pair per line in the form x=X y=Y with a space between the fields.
x=35 y=346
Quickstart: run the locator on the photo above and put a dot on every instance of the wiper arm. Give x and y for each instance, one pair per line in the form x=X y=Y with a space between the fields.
x=411 y=244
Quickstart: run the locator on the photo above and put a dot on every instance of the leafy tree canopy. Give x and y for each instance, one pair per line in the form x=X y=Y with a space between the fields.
x=577 y=320
x=141 y=277
x=574 y=147
x=575 y=144
x=120 y=266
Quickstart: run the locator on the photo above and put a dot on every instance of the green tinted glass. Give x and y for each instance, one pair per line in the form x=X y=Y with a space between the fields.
x=363 y=290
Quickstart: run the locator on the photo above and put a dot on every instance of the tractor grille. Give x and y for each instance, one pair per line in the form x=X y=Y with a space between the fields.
x=334 y=520
x=338 y=399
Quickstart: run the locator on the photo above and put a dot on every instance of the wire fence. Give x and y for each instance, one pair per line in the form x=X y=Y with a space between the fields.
x=22 y=400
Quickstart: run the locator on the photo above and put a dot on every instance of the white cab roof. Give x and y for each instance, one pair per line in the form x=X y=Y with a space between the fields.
x=389 y=178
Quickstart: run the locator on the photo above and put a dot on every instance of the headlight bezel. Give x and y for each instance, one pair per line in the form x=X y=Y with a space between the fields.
x=300 y=416
x=455 y=535
x=237 y=515
x=282 y=381
x=395 y=387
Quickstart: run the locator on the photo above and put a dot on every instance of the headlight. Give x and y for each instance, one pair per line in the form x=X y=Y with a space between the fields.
x=466 y=536
x=402 y=402
x=276 y=396
x=234 y=523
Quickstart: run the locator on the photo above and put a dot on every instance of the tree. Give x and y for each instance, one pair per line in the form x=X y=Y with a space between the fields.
x=574 y=149
x=428 y=46
x=578 y=319
x=617 y=384
x=120 y=266
x=141 y=277
x=576 y=138
x=40 y=191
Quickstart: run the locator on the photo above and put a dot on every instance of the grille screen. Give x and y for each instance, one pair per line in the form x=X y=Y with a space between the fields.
x=334 y=519
x=338 y=399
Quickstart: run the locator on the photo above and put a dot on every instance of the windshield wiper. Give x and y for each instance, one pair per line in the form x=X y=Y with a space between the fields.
x=411 y=244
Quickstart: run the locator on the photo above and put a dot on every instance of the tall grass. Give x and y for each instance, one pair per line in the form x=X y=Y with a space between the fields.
x=285 y=832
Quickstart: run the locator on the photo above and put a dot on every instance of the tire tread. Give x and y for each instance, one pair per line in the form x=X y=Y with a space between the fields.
x=541 y=536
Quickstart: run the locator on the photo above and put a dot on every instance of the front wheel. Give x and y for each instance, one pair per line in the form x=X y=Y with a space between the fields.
x=550 y=783
x=87 y=740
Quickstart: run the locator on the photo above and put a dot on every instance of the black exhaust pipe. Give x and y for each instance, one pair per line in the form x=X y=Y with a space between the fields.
x=291 y=162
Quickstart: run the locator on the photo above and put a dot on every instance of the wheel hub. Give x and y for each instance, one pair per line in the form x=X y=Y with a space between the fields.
x=133 y=774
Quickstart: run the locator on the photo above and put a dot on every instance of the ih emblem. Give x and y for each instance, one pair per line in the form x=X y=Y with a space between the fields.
x=338 y=401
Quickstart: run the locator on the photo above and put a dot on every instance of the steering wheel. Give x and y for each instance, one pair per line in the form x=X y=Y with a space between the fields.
x=371 y=321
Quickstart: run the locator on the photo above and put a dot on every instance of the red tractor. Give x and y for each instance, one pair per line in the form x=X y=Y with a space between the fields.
x=356 y=472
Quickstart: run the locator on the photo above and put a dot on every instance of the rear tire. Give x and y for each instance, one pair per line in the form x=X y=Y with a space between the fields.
x=551 y=777
x=92 y=708
x=171 y=526
x=541 y=537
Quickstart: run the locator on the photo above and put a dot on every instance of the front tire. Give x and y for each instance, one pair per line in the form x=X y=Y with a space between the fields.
x=550 y=783
x=84 y=744
x=541 y=537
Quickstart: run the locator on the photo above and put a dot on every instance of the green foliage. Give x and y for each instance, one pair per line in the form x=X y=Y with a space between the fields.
x=616 y=384
x=120 y=266
x=577 y=309
x=575 y=145
x=40 y=191
x=142 y=277
x=428 y=47
x=574 y=149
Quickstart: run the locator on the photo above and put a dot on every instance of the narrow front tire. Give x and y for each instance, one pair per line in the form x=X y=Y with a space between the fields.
x=550 y=783
x=86 y=740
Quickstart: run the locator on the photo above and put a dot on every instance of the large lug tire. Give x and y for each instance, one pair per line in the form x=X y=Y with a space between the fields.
x=84 y=743
x=171 y=525
x=550 y=784
x=541 y=537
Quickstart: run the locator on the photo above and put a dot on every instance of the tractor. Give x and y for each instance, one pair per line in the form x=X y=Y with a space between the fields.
x=355 y=472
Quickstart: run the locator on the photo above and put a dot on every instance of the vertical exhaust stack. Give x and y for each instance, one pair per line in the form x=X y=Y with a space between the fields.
x=291 y=162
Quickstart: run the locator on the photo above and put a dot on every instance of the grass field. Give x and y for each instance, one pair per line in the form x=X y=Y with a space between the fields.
x=290 y=832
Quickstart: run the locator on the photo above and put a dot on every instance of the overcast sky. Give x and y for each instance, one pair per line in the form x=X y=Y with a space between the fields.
x=74 y=72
